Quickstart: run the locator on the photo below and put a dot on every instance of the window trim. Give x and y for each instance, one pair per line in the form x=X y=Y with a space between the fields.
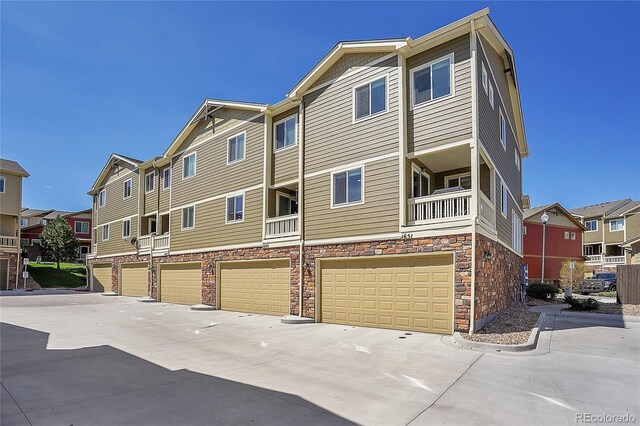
x=153 y=182
x=75 y=227
x=567 y=235
x=503 y=124
x=164 y=177
x=195 y=165
x=616 y=220
x=188 y=228
x=485 y=78
x=517 y=159
x=504 y=200
x=105 y=226
x=123 y=222
x=459 y=175
x=491 y=95
x=24 y=218
x=591 y=220
x=452 y=92
x=414 y=169
x=283 y=195
x=366 y=83
x=244 y=148
x=524 y=230
x=4 y=183
x=124 y=185
x=284 y=148
x=226 y=207
x=102 y=191
x=362 y=187
x=573 y=236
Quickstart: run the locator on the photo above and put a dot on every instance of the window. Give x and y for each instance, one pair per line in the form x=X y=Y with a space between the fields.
x=285 y=133
x=102 y=198
x=517 y=159
x=42 y=221
x=287 y=204
x=189 y=166
x=485 y=78
x=24 y=242
x=420 y=182
x=591 y=225
x=1 y=184
x=588 y=250
x=463 y=180
x=524 y=230
x=347 y=187
x=35 y=241
x=573 y=235
x=149 y=182
x=431 y=81
x=235 y=148
x=105 y=232
x=84 y=250
x=503 y=131
x=82 y=227
x=166 y=178
x=126 y=190
x=371 y=98
x=235 y=208
x=504 y=200
x=24 y=222
x=491 y=95
x=616 y=225
x=188 y=217
x=126 y=228
x=566 y=235
x=516 y=229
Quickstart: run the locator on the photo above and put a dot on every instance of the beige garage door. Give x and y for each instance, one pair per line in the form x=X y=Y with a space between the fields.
x=414 y=293
x=181 y=283
x=134 y=279
x=101 y=278
x=260 y=287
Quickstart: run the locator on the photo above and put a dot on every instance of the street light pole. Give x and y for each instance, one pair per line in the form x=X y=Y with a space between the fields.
x=544 y=218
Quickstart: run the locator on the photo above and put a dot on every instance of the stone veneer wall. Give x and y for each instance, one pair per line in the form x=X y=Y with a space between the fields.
x=497 y=280
x=12 y=271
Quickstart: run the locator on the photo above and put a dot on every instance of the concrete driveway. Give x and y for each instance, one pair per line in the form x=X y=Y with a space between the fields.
x=88 y=359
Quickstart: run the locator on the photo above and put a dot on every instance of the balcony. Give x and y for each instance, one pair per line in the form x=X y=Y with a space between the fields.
x=153 y=243
x=8 y=242
x=593 y=259
x=440 y=208
x=282 y=226
x=486 y=210
x=614 y=260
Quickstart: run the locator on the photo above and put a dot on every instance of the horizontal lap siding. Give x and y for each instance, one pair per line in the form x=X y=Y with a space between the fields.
x=211 y=229
x=150 y=198
x=331 y=137
x=347 y=63
x=213 y=175
x=447 y=120
x=11 y=197
x=285 y=162
x=379 y=213
x=116 y=244
x=615 y=236
x=593 y=236
x=115 y=207
x=504 y=224
x=224 y=119
x=489 y=122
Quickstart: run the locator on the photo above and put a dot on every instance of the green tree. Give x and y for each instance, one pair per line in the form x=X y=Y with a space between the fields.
x=58 y=242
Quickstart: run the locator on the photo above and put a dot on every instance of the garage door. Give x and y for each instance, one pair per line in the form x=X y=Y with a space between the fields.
x=134 y=279
x=181 y=283
x=414 y=293
x=259 y=287
x=101 y=278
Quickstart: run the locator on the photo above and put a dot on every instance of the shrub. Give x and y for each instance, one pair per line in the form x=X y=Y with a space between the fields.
x=541 y=291
x=582 y=304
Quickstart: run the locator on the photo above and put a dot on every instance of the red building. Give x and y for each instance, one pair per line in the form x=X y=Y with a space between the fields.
x=80 y=223
x=563 y=241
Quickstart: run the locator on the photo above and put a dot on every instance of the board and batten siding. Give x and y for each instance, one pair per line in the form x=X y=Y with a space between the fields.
x=331 y=136
x=116 y=207
x=445 y=120
x=213 y=175
x=489 y=123
x=285 y=161
x=378 y=214
x=210 y=227
x=116 y=244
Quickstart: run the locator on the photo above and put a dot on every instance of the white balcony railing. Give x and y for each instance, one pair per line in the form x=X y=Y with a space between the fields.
x=6 y=241
x=614 y=260
x=440 y=208
x=282 y=226
x=593 y=259
x=144 y=242
x=161 y=242
x=487 y=210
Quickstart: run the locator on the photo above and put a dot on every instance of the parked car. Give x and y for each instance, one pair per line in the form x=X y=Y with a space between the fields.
x=599 y=283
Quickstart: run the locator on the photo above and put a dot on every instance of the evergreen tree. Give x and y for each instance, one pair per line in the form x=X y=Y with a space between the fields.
x=58 y=242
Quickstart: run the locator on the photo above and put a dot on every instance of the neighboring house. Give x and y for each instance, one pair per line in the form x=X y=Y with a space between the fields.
x=611 y=227
x=632 y=248
x=11 y=174
x=384 y=191
x=563 y=240
x=80 y=223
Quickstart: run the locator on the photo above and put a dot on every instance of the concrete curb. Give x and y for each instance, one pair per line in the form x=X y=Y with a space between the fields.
x=597 y=316
x=202 y=307
x=294 y=319
x=146 y=299
x=110 y=293
x=531 y=344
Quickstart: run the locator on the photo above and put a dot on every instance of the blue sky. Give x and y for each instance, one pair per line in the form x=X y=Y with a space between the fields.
x=80 y=80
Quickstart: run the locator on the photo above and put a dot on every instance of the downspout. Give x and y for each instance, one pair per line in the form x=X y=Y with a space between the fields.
x=474 y=173
x=158 y=223
x=301 y=207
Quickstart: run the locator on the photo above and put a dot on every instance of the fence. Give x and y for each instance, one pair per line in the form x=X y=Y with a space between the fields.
x=628 y=284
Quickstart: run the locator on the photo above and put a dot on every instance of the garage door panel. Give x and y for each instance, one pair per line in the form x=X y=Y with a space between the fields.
x=101 y=278
x=181 y=283
x=258 y=287
x=134 y=279
x=415 y=293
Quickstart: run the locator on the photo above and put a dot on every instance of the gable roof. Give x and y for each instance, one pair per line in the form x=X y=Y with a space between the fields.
x=600 y=209
x=12 y=167
x=113 y=160
x=27 y=212
x=631 y=242
x=623 y=209
x=55 y=213
x=554 y=208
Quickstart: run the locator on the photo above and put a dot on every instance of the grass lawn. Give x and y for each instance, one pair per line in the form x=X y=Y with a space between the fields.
x=70 y=275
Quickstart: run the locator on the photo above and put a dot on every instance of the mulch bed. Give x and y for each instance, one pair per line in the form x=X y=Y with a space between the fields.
x=510 y=327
